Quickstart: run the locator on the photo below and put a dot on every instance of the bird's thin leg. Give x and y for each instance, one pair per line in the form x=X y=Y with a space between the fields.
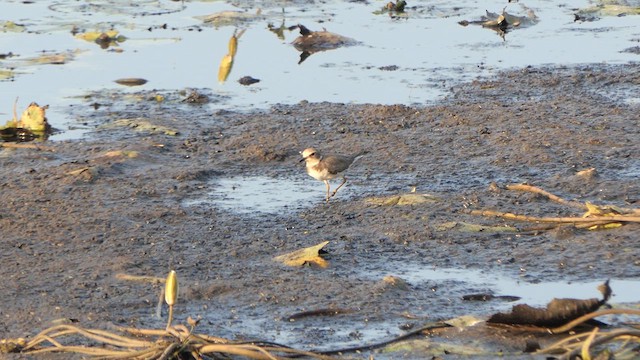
x=344 y=180
x=328 y=189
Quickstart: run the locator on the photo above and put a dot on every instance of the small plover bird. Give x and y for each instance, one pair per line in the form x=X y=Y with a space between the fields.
x=327 y=167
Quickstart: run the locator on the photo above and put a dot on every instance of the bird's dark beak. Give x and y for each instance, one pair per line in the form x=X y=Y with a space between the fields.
x=303 y=159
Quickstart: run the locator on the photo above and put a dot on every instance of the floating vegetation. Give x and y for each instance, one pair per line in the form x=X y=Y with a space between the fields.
x=602 y=8
x=6 y=74
x=104 y=39
x=51 y=58
x=10 y=26
x=230 y=18
x=504 y=22
x=394 y=9
x=31 y=125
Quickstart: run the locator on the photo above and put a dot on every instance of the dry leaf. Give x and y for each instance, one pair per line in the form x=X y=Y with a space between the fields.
x=411 y=198
x=121 y=153
x=94 y=35
x=305 y=256
x=605 y=210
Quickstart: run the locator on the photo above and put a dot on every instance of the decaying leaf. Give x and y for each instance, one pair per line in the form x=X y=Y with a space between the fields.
x=474 y=228
x=6 y=74
x=121 y=153
x=558 y=311
x=402 y=199
x=104 y=39
x=463 y=321
x=607 y=8
x=10 y=26
x=229 y=18
x=53 y=59
x=607 y=226
x=310 y=255
x=142 y=124
x=587 y=173
x=604 y=210
x=394 y=282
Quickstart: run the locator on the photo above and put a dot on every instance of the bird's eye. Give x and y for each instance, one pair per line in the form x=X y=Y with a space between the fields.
x=312 y=154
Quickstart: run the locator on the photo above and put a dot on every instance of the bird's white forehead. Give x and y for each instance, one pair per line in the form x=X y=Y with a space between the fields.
x=308 y=151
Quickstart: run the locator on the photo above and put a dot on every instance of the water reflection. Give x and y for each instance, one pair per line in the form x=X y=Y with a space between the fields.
x=227 y=61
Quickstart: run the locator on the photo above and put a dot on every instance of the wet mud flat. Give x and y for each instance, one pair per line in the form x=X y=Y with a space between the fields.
x=78 y=213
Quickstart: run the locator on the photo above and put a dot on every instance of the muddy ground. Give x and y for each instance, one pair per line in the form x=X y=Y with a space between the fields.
x=67 y=233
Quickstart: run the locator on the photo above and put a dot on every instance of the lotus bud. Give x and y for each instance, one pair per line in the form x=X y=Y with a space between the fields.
x=171 y=288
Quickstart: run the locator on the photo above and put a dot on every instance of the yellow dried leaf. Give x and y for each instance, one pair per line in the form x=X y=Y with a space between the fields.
x=123 y=153
x=225 y=68
x=304 y=256
x=596 y=210
x=94 y=35
x=612 y=225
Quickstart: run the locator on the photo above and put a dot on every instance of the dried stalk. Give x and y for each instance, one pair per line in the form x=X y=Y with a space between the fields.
x=563 y=220
x=537 y=190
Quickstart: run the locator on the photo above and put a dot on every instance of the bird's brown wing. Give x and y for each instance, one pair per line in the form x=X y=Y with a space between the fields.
x=337 y=163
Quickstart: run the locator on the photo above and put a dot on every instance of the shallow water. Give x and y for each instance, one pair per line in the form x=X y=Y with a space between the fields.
x=428 y=51
x=534 y=294
x=262 y=194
